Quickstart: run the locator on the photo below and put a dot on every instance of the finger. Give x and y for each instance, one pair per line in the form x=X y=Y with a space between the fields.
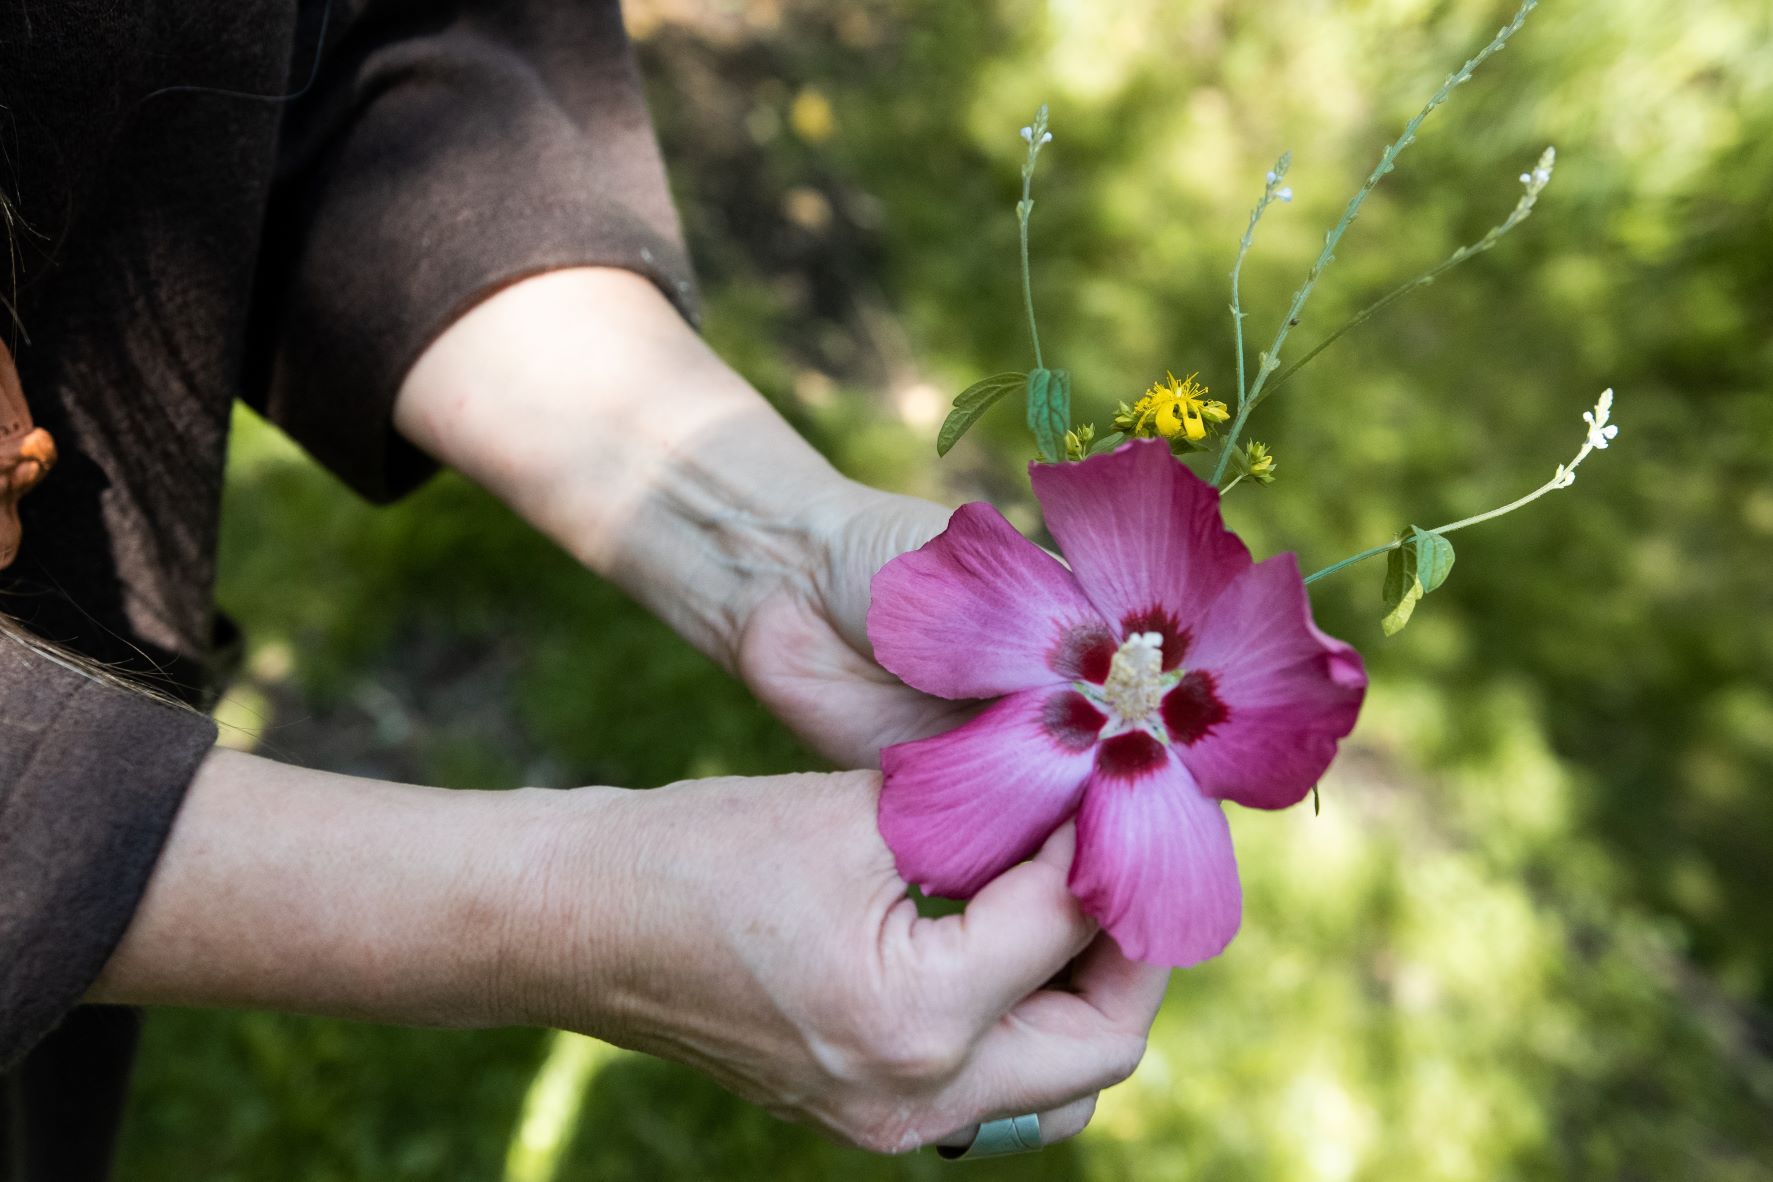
x=1126 y=992
x=1062 y=1124
x=1066 y=1050
x=1060 y=848
x=1020 y=930
x=1056 y=1125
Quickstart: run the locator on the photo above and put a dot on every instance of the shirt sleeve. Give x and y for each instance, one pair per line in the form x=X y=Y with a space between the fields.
x=91 y=777
x=446 y=151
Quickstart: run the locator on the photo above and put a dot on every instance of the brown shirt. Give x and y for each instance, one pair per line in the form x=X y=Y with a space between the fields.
x=179 y=244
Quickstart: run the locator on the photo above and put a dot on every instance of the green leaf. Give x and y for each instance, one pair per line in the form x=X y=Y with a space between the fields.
x=1402 y=589
x=1414 y=569
x=1049 y=411
x=972 y=403
x=1108 y=442
x=1434 y=557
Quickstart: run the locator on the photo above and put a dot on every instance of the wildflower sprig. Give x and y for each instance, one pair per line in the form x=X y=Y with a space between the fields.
x=1421 y=558
x=1048 y=391
x=1269 y=360
x=1179 y=411
x=1037 y=136
x=1272 y=190
x=1532 y=184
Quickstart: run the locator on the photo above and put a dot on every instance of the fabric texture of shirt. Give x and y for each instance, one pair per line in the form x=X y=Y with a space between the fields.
x=180 y=243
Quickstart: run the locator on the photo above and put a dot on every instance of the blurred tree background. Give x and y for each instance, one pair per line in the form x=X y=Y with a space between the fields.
x=1530 y=934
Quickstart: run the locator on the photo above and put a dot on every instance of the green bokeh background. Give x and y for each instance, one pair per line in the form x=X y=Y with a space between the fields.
x=1530 y=934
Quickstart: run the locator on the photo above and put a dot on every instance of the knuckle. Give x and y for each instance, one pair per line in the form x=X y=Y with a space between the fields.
x=898 y=1050
x=917 y=1056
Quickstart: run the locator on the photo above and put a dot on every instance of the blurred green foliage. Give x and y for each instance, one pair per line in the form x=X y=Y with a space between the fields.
x=1529 y=935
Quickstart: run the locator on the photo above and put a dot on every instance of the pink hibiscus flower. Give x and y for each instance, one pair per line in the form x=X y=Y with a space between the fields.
x=1163 y=673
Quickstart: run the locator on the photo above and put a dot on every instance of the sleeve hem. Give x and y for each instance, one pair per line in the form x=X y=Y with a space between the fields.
x=91 y=779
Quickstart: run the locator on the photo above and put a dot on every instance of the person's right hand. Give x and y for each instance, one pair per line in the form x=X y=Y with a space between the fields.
x=756 y=930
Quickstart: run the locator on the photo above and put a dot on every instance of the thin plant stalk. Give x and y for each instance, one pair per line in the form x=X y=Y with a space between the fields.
x=1037 y=136
x=1551 y=485
x=1523 y=209
x=1027 y=275
x=1270 y=360
x=1275 y=176
x=1600 y=433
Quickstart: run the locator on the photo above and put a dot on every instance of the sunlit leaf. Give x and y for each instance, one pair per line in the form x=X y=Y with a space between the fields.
x=1402 y=589
x=1412 y=570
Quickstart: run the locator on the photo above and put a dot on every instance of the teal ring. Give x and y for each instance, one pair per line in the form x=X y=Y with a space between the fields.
x=996 y=1138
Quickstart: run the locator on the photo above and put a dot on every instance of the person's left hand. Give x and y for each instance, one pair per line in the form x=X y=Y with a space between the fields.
x=717 y=517
x=804 y=649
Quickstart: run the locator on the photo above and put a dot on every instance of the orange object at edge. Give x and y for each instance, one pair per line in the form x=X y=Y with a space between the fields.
x=27 y=453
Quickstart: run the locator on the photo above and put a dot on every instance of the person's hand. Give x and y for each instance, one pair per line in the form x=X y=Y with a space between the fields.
x=756 y=930
x=804 y=648
x=583 y=400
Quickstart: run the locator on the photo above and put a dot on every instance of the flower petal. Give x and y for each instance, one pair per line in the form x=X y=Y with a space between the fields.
x=1155 y=866
x=981 y=611
x=1289 y=692
x=960 y=808
x=1143 y=536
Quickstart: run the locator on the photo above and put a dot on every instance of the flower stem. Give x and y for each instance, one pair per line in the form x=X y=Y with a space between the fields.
x=1038 y=137
x=1351 y=560
x=1552 y=485
x=1233 y=484
x=1243 y=248
x=1023 y=210
x=1270 y=360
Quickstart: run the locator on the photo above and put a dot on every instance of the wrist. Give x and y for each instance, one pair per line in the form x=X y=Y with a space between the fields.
x=567 y=893
x=583 y=400
x=287 y=889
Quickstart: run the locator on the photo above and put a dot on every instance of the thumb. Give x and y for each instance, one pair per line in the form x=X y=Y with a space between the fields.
x=1024 y=927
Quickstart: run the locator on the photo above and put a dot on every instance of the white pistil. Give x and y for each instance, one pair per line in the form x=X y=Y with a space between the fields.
x=1136 y=683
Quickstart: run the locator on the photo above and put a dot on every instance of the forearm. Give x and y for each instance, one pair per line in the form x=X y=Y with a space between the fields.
x=288 y=889
x=583 y=400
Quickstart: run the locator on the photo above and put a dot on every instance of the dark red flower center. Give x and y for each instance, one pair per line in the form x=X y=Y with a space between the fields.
x=1128 y=756
x=1085 y=653
x=1072 y=721
x=1193 y=708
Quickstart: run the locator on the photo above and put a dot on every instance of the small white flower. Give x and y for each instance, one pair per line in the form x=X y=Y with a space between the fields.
x=1285 y=192
x=1565 y=477
x=1526 y=177
x=1541 y=176
x=1028 y=137
x=1047 y=138
x=1272 y=176
x=1600 y=431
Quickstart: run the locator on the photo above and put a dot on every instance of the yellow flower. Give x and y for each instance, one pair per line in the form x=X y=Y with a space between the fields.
x=1172 y=408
